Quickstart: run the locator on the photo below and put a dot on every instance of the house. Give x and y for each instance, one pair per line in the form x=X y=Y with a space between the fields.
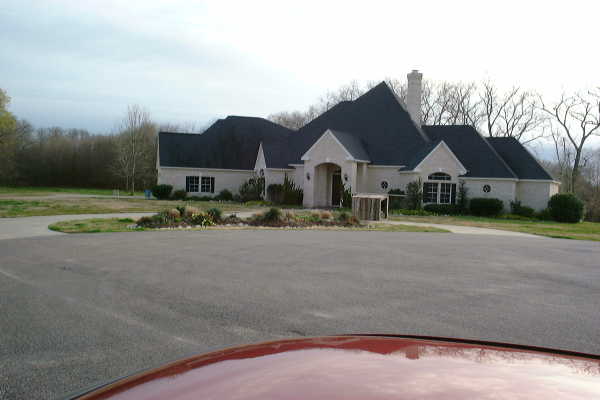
x=372 y=144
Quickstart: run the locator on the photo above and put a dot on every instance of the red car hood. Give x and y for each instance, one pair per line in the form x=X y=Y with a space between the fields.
x=368 y=367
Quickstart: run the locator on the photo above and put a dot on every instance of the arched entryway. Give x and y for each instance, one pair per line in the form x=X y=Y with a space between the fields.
x=328 y=185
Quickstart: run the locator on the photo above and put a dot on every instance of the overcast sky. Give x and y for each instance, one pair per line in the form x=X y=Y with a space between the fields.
x=74 y=63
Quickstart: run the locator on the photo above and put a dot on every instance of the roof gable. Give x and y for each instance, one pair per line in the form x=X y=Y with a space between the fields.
x=441 y=146
x=520 y=160
x=349 y=145
x=474 y=152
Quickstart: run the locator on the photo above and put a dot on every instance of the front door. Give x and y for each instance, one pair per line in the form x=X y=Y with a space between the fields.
x=336 y=189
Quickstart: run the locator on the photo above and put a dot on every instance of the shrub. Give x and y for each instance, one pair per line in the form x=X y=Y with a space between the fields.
x=202 y=219
x=326 y=215
x=174 y=213
x=343 y=216
x=292 y=194
x=397 y=202
x=225 y=195
x=420 y=213
x=462 y=198
x=273 y=215
x=290 y=216
x=275 y=193
x=347 y=197
x=215 y=214
x=179 y=195
x=237 y=198
x=414 y=195
x=252 y=189
x=181 y=210
x=260 y=203
x=442 y=209
x=315 y=217
x=517 y=209
x=544 y=215
x=486 y=207
x=566 y=207
x=162 y=192
x=188 y=211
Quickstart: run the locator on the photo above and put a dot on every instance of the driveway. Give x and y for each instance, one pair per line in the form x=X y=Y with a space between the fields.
x=79 y=309
x=23 y=227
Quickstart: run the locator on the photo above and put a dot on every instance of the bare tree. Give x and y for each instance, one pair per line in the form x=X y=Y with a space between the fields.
x=575 y=119
x=134 y=146
x=514 y=113
x=293 y=120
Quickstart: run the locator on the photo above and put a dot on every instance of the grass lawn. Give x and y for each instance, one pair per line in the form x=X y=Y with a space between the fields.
x=27 y=208
x=96 y=225
x=580 y=231
x=7 y=191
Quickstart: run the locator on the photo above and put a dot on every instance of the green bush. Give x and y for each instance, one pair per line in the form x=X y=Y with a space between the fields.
x=179 y=195
x=273 y=215
x=202 y=219
x=397 y=203
x=275 y=193
x=414 y=195
x=252 y=189
x=216 y=214
x=224 y=195
x=162 y=192
x=343 y=216
x=292 y=194
x=420 y=213
x=462 y=198
x=544 y=215
x=566 y=207
x=517 y=209
x=347 y=197
x=486 y=207
x=258 y=203
x=442 y=209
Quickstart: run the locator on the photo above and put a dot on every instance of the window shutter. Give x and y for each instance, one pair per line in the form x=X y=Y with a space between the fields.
x=212 y=185
x=453 y=199
x=187 y=183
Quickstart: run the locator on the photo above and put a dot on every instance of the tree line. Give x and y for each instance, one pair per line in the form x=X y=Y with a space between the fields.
x=126 y=158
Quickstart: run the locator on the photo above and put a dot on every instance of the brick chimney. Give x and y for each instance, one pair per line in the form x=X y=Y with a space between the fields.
x=413 y=96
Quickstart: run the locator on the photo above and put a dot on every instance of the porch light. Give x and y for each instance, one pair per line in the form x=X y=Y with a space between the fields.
x=346 y=177
x=308 y=176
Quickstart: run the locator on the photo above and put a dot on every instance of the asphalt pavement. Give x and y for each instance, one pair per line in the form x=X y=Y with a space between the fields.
x=81 y=309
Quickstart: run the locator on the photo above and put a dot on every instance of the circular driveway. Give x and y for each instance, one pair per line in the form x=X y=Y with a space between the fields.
x=79 y=309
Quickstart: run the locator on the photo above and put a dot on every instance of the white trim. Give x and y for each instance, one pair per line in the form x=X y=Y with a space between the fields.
x=279 y=169
x=260 y=151
x=472 y=178
x=296 y=165
x=211 y=169
x=349 y=156
x=387 y=166
x=462 y=172
x=540 y=180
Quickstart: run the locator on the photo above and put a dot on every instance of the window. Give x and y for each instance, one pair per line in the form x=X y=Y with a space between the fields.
x=207 y=184
x=439 y=176
x=430 y=192
x=487 y=188
x=446 y=193
x=191 y=183
x=384 y=185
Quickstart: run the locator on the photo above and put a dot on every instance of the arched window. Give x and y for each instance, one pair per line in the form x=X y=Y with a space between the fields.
x=439 y=176
x=439 y=192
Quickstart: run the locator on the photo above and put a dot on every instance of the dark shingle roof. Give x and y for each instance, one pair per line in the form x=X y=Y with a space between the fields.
x=352 y=144
x=520 y=160
x=230 y=143
x=474 y=152
x=376 y=118
x=374 y=127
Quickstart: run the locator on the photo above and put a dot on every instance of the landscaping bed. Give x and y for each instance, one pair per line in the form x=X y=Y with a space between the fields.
x=188 y=217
